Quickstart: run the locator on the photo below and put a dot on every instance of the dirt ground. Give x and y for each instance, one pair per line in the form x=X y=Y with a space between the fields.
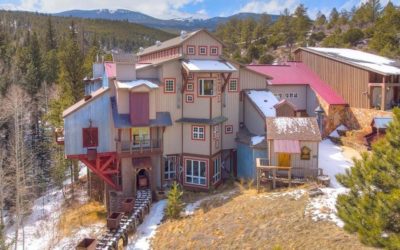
x=248 y=220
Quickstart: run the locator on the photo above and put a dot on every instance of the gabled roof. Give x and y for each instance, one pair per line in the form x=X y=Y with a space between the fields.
x=208 y=66
x=359 y=59
x=174 y=42
x=285 y=101
x=293 y=128
x=264 y=101
x=297 y=73
x=85 y=101
x=136 y=83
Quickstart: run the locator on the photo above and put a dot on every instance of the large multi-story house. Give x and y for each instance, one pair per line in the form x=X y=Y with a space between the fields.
x=170 y=112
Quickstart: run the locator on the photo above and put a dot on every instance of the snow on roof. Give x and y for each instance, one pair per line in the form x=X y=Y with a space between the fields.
x=136 y=83
x=208 y=66
x=382 y=122
x=334 y=134
x=363 y=59
x=297 y=73
x=293 y=128
x=257 y=139
x=264 y=100
x=342 y=127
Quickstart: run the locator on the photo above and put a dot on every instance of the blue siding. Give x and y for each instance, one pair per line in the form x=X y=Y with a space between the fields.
x=105 y=80
x=99 y=111
x=247 y=160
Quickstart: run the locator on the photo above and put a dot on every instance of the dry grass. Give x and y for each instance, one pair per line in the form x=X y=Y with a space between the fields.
x=248 y=220
x=84 y=215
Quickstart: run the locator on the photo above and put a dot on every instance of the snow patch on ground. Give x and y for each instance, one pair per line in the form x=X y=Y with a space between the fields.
x=149 y=226
x=295 y=194
x=83 y=232
x=333 y=162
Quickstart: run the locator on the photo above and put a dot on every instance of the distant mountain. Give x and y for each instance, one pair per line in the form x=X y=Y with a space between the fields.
x=170 y=24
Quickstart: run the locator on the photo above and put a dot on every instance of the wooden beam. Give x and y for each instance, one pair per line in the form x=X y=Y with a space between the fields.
x=226 y=80
x=105 y=165
x=185 y=77
x=383 y=96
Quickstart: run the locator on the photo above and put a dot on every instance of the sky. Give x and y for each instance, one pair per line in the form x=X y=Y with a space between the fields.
x=167 y=9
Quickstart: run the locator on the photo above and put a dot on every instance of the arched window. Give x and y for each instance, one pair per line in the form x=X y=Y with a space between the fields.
x=305 y=153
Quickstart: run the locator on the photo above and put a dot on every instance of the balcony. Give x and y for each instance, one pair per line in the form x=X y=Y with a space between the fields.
x=139 y=148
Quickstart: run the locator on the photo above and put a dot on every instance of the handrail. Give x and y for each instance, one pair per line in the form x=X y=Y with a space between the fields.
x=138 y=145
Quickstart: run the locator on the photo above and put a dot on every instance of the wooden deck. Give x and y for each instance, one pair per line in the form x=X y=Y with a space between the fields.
x=128 y=149
x=129 y=223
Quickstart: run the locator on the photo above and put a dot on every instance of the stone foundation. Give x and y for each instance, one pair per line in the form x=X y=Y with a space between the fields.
x=356 y=118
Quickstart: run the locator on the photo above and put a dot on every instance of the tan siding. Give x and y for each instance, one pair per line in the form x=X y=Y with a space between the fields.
x=348 y=81
x=199 y=147
x=150 y=72
x=251 y=80
x=253 y=120
x=285 y=110
x=170 y=103
x=123 y=101
x=295 y=158
x=216 y=140
x=202 y=39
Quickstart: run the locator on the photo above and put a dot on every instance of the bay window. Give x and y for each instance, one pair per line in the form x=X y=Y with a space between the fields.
x=196 y=172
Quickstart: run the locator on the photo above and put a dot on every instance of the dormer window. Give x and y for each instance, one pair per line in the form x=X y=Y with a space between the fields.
x=169 y=85
x=203 y=50
x=214 y=51
x=191 y=50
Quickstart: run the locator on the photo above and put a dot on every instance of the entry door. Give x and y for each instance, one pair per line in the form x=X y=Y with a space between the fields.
x=284 y=160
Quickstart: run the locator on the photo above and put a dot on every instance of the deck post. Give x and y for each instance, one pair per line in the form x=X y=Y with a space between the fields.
x=383 y=99
x=274 y=178
x=290 y=177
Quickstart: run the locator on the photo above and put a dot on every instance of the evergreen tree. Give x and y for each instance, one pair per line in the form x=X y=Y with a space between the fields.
x=51 y=42
x=174 y=203
x=301 y=23
x=372 y=206
x=333 y=17
x=321 y=19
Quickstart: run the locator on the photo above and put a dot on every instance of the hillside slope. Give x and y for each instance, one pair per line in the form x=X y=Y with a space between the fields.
x=111 y=34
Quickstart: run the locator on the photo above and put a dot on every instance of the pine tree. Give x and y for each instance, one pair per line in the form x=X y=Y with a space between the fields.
x=174 y=203
x=301 y=23
x=372 y=206
x=51 y=41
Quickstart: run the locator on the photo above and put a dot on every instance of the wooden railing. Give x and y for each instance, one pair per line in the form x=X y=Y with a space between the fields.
x=139 y=146
x=283 y=173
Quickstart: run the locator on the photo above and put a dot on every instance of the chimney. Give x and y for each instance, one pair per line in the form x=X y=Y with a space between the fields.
x=125 y=66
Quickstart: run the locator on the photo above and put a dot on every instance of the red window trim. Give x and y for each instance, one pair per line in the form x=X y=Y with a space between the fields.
x=203 y=46
x=191 y=46
x=187 y=88
x=214 y=47
x=170 y=92
x=186 y=98
x=207 y=171
x=228 y=126
x=204 y=129
x=237 y=85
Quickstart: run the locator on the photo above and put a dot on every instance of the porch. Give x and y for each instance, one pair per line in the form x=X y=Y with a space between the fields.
x=384 y=92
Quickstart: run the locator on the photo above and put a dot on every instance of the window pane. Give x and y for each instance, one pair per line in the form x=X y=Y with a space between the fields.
x=189 y=179
x=196 y=169
x=203 y=181
x=195 y=180
x=203 y=169
x=189 y=167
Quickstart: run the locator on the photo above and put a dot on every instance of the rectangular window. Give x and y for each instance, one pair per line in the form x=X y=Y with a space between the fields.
x=190 y=76
x=169 y=85
x=214 y=50
x=233 y=85
x=140 y=137
x=228 y=129
x=191 y=49
x=203 y=50
x=206 y=87
x=169 y=168
x=189 y=98
x=216 y=132
x=190 y=87
x=90 y=137
x=198 y=133
x=196 y=172
x=217 y=170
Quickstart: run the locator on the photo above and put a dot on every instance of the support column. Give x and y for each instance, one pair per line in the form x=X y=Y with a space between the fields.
x=383 y=95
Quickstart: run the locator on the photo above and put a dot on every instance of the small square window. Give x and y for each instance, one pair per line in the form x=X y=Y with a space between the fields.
x=198 y=133
x=228 y=129
x=295 y=95
x=190 y=76
x=214 y=51
x=233 y=85
x=189 y=98
x=202 y=50
x=291 y=95
x=190 y=86
x=191 y=50
x=169 y=86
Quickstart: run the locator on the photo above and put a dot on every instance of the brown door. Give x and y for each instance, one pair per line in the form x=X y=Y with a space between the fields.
x=284 y=159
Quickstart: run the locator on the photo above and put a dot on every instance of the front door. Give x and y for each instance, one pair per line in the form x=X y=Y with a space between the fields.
x=284 y=159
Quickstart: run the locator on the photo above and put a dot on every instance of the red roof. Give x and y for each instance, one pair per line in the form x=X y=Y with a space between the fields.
x=299 y=74
x=110 y=69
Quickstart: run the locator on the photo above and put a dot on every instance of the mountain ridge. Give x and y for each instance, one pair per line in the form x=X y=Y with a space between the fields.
x=173 y=24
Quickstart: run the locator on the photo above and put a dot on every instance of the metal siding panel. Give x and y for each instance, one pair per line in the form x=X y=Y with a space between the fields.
x=139 y=108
